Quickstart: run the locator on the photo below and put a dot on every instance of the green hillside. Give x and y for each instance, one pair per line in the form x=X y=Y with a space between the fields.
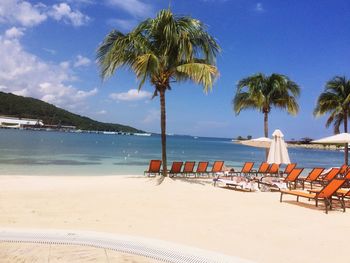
x=23 y=107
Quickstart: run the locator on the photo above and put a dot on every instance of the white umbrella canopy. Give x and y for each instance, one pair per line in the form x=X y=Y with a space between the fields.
x=340 y=138
x=261 y=142
x=278 y=150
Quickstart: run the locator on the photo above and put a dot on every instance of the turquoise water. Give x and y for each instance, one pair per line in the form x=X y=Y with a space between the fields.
x=58 y=153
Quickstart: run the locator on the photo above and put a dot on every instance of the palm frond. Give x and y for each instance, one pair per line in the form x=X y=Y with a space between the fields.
x=200 y=73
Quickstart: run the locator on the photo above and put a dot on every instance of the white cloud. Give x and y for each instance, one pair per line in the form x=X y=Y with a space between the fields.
x=259 y=8
x=21 y=12
x=81 y=61
x=151 y=117
x=14 y=32
x=63 y=12
x=136 y=8
x=25 y=74
x=65 y=65
x=81 y=2
x=51 y=51
x=122 y=24
x=131 y=95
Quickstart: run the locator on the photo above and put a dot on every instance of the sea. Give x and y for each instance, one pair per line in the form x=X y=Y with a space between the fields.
x=25 y=152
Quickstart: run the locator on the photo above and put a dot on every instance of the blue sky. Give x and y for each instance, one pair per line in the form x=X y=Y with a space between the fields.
x=47 y=51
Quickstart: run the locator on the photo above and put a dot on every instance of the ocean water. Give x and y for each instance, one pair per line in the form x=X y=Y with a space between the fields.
x=59 y=153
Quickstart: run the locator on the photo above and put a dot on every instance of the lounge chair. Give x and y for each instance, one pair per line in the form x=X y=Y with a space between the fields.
x=154 y=167
x=343 y=169
x=217 y=168
x=264 y=167
x=288 y=169
x=202 y=169
x=291 y=179
x=188 y=168
x=329 y=176
x=246 y=184
x=327 y=194
x=274 y=169
x=246 y=169
x=344 y=193
x=175 y=169
x=312 y=177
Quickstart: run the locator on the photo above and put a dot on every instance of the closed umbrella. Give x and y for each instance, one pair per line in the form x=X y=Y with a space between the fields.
x=341 y=138
x=261 y=142
x=278 y=150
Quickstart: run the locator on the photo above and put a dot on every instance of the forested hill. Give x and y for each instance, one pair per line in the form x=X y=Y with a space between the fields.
x=23 y=107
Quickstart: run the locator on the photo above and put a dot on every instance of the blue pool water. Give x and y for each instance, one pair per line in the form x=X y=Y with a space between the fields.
x=58 y=153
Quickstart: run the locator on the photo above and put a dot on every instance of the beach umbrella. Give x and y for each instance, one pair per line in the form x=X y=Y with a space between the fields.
x=261 y=142
x=341 y=138
x=278 y=152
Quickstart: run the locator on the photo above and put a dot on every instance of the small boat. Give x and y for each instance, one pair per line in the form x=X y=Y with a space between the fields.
x=109 y=132
x=142 y=134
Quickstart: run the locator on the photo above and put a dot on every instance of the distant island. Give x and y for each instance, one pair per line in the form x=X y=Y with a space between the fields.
x=24 y=107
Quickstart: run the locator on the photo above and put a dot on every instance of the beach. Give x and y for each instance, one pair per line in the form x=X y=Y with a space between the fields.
x=249 y=225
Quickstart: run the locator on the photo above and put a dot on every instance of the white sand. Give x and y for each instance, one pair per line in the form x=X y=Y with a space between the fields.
x=255 y=226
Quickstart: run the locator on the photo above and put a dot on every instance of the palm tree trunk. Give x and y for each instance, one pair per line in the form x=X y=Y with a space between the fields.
x=266 y=131
x=346 y=149
x=163 y=129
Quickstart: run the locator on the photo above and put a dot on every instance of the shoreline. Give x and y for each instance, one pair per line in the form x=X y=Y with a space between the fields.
x=315 y=147
x=252 y=226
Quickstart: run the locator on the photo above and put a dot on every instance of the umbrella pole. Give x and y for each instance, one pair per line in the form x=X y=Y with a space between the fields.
x=346 y=153
x=266 y=153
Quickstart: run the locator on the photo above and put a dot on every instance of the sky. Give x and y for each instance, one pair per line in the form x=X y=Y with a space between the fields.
x=48 y=51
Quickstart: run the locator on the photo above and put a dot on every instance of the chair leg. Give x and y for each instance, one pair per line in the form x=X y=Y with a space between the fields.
x=281 y=197
x=326 y=204
x=297 y=198
x=341 y=200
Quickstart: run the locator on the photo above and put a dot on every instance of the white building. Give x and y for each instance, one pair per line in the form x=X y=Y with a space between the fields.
x=10 y=122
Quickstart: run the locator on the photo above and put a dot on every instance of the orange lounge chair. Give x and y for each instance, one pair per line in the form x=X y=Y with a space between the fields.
x=264 y=167
x=326 y=194
x=188 y=168
x=217 y=167
x=291 y=178
x=329 y=176
x=312 y=177
x=274 y=169
x=154 y=167
x=175 y=169
x=342 y=192
x=343 y=169
x=246 y=169
x=202 y=168
x=288 y=169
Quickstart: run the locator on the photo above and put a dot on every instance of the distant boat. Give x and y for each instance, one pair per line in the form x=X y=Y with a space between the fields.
x=109 y=132
x=142 y=134
x=195 y=137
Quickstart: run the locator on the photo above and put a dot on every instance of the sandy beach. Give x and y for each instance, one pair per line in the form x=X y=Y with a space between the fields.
x=253 y=226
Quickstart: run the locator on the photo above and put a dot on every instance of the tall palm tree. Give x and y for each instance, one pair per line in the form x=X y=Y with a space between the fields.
x=264 y=92
x=162 y=50
x=335 y=100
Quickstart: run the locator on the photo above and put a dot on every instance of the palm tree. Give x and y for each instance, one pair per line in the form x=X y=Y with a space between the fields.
x=335 y=100
x=264 y=92
x=162 y=50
